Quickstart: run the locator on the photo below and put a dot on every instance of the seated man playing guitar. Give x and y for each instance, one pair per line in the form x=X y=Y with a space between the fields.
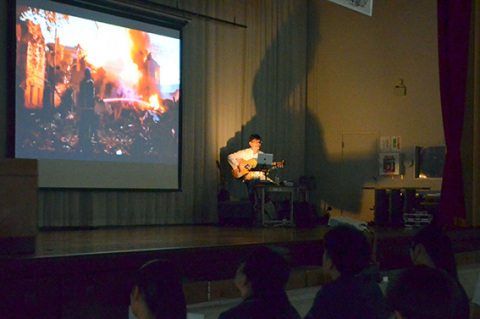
x=240 y=169
x=244 y=161
x=238 y=160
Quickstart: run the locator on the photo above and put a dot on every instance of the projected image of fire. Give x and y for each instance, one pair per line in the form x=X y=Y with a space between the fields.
x=79 y=103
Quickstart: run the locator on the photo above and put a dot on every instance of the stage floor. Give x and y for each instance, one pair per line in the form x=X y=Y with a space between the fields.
x=200 y=252
x=207 y=252
x=61 y=243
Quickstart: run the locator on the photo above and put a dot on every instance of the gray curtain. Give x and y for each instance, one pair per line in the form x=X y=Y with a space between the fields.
x=236 y=81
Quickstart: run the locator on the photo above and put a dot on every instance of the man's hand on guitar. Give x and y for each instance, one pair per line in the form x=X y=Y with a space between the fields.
x=279 y=164
x=243 y=168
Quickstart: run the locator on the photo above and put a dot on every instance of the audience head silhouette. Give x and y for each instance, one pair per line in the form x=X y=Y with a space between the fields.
x=264 y=272
x=261 y=279
x=432 y=247
x=347 y=251
x=157 y=292
x=422 y=292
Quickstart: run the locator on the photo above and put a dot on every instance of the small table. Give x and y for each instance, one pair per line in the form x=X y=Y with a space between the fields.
x=262 y=189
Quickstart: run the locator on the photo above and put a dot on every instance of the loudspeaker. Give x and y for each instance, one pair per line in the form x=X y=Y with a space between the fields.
x=236 y=213
x=381 y=207
x=304 y=215
x=396 y=208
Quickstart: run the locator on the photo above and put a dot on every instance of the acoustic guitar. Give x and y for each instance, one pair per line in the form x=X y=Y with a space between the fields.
x=244 y=168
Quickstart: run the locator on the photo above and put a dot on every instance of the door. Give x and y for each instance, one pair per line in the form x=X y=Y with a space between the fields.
x=359 y=173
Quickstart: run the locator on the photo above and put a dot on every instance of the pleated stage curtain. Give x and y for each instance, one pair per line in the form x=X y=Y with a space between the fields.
x=475 y=48
x=453 y=47
x=236 y=81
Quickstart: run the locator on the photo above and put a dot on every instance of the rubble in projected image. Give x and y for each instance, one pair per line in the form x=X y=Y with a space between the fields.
x=90 y=90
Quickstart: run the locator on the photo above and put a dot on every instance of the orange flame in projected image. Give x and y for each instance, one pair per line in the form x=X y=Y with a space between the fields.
x=136 y=69
x=155 y=104
x=117 y=62
x=125 y=57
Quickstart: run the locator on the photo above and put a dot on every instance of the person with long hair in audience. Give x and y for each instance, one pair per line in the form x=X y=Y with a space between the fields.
x=261 y=279
x=157 y=292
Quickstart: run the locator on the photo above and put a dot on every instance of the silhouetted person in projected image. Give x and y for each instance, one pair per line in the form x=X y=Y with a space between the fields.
x=86 y=103
x=48 y=93
x=157 y=292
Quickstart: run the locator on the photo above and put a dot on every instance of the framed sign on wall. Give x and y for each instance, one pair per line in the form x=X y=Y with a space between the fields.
x=362 y=6
x=389 y=164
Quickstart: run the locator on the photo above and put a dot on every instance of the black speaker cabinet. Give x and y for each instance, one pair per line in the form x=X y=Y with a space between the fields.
x=381 y=207
x=236 y=213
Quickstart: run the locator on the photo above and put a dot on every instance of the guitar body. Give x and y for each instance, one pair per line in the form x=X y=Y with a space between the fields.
x=243 y=169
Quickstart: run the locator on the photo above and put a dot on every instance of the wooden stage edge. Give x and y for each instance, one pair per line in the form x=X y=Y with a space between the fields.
x=89 y=273
x=133 y=239
x=202 y=252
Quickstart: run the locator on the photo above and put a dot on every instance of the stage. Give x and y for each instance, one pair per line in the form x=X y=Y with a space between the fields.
x=201 y=252
x=74 y=268
x=208 y=242
x=61 y=243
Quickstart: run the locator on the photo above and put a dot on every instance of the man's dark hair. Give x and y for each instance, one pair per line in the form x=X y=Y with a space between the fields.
x=160 y=286
x=254 y=137
x=439 y=247
x=348 y=248
x=423 y=292
x=267 y=270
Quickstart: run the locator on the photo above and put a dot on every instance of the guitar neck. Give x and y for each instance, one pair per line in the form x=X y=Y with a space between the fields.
x=279 y=164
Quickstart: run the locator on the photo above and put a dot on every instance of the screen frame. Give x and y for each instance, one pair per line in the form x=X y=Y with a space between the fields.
x=146 y=13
